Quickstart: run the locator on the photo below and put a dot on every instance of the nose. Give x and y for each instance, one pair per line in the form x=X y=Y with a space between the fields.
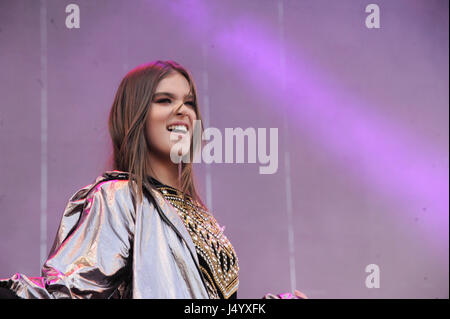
x=180 y=110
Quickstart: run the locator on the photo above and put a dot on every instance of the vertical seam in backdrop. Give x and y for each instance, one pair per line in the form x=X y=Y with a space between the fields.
x=206 y=118
x=287 y=166
x=43 y=219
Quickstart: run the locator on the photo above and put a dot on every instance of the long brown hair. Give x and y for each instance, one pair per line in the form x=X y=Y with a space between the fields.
x=127 y=124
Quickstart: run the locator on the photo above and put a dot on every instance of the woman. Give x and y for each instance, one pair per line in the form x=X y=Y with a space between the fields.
x=141 y=230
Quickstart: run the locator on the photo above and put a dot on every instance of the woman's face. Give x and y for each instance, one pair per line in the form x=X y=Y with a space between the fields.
x=171 y=116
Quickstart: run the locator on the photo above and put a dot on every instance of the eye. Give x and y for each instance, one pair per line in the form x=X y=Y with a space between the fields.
x=163 y=101
x=191 y=103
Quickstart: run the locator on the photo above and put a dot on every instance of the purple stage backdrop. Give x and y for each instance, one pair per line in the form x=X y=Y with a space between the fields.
x=361 y=106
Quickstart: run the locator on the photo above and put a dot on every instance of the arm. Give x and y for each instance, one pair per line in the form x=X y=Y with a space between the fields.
x=90 y=255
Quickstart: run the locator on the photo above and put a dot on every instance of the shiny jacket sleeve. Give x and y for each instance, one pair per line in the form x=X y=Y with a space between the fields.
x=91 y=255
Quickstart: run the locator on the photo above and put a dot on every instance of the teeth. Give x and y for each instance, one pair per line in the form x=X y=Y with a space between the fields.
x=181 y=128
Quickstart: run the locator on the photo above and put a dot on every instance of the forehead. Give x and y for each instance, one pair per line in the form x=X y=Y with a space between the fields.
x=174 y=83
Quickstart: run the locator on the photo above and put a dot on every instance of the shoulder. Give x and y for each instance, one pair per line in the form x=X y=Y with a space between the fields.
x=108 y=195
x=112 y=184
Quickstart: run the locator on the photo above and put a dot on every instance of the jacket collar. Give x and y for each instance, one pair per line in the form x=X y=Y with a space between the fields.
x=167 y=210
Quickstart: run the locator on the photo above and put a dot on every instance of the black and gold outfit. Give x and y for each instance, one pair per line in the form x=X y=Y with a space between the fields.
x=218 y=261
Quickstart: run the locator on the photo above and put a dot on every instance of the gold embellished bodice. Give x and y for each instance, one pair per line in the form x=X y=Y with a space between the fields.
x=218 y=261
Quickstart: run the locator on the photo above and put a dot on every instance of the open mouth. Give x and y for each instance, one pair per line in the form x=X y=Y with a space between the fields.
x=178 y=129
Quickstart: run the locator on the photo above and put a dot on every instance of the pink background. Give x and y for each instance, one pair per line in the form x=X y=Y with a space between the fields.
x=366 y=142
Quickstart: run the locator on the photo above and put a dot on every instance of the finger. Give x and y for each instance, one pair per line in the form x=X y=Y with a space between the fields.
x=300 y=294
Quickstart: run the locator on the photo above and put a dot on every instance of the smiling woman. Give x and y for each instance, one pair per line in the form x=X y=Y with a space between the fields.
x=149 y=100
x=172 y=112
x=140 y=230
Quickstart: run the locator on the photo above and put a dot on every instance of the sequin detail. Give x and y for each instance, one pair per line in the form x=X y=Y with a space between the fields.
x=210 y=243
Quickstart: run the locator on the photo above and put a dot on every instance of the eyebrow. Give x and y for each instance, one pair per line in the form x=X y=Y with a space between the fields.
x=173 y=95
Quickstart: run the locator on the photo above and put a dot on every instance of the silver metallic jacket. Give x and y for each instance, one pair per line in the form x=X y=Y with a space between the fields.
x=110 y=246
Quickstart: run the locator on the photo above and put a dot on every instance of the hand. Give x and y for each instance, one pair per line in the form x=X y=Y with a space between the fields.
x=300 y=294
x=297 y=295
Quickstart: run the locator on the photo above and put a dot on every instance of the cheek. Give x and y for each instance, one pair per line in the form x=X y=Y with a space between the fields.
x=157 y=114
x=156 y=130
x=193 y=116
x=192 y=119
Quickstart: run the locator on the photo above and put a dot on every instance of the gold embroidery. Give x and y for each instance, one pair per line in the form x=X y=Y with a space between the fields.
x=212 y=291
x=209 y=240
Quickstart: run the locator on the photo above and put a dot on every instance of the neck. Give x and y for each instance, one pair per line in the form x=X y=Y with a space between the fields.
x=164 y=171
